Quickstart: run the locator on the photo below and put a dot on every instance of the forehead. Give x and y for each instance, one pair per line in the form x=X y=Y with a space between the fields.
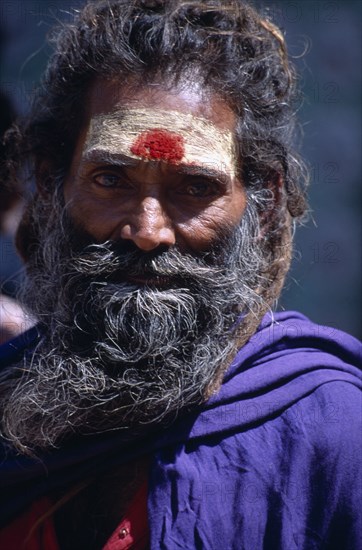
x=189 y=98
x=183 y=124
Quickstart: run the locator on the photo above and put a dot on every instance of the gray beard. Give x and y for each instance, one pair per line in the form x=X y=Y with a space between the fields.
x=118 y=356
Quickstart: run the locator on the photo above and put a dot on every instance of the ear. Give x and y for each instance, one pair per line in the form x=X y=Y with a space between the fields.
x=44 y=177
x=25 y=237
x=275 y=183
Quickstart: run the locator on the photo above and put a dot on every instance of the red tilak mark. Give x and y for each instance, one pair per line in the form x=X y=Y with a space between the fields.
x=159 y=145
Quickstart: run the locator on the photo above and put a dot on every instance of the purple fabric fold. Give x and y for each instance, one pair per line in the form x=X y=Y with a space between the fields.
x=270 y=461
x=273 y=460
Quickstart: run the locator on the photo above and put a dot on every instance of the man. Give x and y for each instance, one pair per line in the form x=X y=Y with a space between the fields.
x=159 y=402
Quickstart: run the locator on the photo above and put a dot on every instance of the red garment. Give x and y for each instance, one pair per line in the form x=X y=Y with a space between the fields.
x=19 y=535
x=132 y=532
x=23 y=533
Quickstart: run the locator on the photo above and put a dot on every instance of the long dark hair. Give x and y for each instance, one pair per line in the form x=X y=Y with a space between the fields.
x=227 y=46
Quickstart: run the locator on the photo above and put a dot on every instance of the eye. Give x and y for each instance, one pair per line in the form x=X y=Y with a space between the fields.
x=110 y=180
x=201 y=189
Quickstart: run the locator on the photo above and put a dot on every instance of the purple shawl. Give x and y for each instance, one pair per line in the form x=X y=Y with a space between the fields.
x=270 y=462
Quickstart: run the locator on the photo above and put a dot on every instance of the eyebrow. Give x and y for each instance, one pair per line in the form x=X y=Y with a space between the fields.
x=203 y=170
x=99 y=155
x=108 y=157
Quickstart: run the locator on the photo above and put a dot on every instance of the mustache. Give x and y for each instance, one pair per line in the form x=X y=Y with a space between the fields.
x=116 y=261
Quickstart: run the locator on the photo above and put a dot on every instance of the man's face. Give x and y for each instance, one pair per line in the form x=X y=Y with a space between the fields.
x=145 y=280
x=155 y=167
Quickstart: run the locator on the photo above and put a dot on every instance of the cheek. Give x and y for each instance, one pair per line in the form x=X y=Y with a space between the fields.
x=200 y=232
x=96 y=216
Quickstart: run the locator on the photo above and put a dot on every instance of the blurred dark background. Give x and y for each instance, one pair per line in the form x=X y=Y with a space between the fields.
x=325 y=281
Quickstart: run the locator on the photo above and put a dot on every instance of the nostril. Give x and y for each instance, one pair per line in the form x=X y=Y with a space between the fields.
x=150 y=243
x=152 y=254
x=125 y=246
x=148 y=226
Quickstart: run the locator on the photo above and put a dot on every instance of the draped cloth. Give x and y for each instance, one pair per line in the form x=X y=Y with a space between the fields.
x=270 y=461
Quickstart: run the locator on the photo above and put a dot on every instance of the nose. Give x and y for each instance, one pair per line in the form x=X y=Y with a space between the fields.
x=149 y=226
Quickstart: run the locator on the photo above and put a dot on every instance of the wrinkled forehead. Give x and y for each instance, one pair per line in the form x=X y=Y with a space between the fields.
x=152 y=134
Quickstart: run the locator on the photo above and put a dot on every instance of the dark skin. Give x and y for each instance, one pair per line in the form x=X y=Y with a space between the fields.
x=153 y=203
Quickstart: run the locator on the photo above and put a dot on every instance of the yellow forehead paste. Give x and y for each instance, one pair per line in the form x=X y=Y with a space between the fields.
x=197 y=141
